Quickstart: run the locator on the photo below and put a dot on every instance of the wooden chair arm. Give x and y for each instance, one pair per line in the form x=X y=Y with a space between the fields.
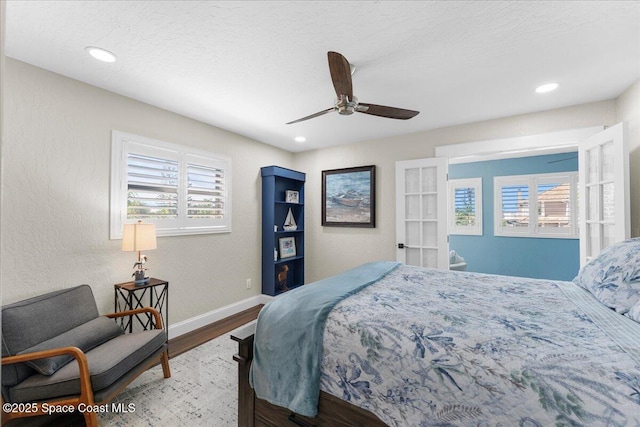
x=153 y=311
x=86 y=392
x=25 y=357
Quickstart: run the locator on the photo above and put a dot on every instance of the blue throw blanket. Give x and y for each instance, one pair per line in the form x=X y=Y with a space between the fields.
x=288 y=340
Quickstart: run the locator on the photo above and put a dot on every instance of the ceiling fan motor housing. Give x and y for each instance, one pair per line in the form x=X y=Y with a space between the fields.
x=345 y=106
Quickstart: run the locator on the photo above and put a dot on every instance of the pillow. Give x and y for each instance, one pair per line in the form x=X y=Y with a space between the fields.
x=86 y=336
x=613 y=277
x=634 y=312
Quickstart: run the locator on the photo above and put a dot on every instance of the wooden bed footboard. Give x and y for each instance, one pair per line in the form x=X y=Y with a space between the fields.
x=255 y=412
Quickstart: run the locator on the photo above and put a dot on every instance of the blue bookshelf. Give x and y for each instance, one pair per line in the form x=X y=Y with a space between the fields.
x=276 y=182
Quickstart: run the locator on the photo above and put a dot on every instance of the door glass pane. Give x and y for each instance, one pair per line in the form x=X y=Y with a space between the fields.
x=593 y=243
x=430 y=234
x=608 y=202
x=430 y=206
x=592 y=165
x=607 y=162
x=412 y=230
x=412 y=207
x=430 y=258
x=413 y=256
x=429 y=180
x=608 y=235
x=592 y=203
x=412 y=180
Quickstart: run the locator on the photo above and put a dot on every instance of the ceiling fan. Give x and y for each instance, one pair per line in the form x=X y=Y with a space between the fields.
x=346 y=103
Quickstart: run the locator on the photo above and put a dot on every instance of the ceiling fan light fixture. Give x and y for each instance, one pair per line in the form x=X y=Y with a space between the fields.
x=100 y=54
x=548 y=87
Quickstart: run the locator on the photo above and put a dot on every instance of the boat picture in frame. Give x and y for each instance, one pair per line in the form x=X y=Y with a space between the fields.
x=348 y=197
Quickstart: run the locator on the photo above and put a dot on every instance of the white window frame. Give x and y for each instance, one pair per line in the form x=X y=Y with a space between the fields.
x=472 y=230
x=124 y=143
x=532 y=181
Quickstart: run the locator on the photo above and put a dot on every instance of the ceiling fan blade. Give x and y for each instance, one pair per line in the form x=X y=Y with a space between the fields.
x=383 y=111
x=318 y=114
x=340 y=75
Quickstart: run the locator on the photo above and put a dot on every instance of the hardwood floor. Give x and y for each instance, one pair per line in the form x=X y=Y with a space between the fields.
x=200 y=336
x=177 y=346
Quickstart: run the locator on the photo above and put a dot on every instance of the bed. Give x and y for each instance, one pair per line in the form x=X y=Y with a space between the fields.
x=391 y=344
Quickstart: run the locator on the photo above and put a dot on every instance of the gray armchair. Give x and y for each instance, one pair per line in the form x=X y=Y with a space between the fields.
x=57 y=349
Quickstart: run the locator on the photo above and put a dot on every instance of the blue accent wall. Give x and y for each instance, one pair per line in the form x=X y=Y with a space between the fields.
x=515 y=256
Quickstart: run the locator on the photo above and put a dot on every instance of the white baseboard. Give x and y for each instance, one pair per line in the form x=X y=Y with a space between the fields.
x=205 y=319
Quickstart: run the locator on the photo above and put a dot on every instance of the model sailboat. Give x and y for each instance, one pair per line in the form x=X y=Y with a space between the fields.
x=289 y=222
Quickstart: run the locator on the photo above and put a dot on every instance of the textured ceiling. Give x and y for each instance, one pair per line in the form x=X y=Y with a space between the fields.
x=250 y=67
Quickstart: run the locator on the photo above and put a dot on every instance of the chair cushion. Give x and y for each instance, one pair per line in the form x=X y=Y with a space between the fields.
x=107 y=363
x=34 y=320
x=86 y=336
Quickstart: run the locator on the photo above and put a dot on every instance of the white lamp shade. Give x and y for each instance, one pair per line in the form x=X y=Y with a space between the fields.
x=138 y=237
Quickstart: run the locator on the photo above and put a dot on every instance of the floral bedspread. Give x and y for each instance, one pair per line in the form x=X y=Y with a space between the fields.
x=426 y=347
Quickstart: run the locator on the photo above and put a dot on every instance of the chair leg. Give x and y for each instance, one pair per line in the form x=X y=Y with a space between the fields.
x=91 y=419
x=165 y=364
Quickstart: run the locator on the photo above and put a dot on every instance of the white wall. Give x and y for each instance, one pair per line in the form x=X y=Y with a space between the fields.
x=330 y=250
x=55 y=212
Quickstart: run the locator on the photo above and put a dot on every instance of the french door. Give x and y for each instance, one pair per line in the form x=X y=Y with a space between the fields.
x=603 y=163
x=421 y=212
x=603 y=170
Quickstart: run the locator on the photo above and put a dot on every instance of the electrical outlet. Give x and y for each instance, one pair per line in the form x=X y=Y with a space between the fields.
x=248 y=283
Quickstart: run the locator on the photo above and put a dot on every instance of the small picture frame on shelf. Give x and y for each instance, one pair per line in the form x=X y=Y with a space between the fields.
x=287 y=247
x=292 y=196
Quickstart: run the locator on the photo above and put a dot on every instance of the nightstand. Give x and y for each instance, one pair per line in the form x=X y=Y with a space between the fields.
x=129 y=296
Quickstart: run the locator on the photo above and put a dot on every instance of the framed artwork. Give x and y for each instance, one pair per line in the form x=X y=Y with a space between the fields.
x=292 y=196
x=349 y=197
x=287 y=247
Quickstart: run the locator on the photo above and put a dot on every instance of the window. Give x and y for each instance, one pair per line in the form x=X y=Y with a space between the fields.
x=465 y=208
x=180 y=189
x=543 y=205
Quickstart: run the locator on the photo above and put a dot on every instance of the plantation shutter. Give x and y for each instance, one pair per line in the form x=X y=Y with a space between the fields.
x=554 y=204
x=514 y=207
x=540 y=205
x=465 y=206
x=205 y=191
x=180 y=189
x=152 y=187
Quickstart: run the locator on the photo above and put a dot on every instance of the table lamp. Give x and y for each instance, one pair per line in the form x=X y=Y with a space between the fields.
x=139 y=237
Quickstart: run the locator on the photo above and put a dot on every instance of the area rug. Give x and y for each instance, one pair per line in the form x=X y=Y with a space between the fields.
x=202 y=391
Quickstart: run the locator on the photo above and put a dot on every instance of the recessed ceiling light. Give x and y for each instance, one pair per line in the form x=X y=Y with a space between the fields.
x=547 y=87
x=100 y=54
x=300 y=139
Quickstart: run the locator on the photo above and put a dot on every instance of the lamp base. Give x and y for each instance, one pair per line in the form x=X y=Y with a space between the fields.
x=139 y=278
